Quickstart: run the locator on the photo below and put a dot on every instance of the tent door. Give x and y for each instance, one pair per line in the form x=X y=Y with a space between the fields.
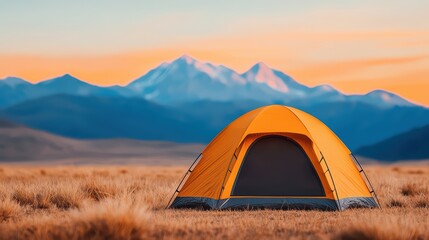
x=277 y=166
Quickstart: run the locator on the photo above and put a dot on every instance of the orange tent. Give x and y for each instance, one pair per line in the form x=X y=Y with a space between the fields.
x=275 y=157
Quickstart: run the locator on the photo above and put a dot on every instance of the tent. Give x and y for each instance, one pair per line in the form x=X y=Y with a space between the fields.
x=275 y=157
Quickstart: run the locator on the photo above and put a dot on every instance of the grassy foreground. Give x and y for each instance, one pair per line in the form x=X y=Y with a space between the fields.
x=128 y=203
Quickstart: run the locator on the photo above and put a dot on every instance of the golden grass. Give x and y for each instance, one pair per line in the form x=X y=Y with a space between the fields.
x=128 y=203
x=9 y=210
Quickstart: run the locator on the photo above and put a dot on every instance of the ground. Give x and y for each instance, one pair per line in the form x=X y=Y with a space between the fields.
x=128 y=202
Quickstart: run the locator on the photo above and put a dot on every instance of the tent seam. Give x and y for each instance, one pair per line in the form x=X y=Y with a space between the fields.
x=253 y=120
x=333 y=182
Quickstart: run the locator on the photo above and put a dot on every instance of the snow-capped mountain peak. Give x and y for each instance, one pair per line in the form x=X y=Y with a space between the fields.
x=186 y=70
x=187 y=79
x=261 y=73
x=187 y=59
x=192 y=66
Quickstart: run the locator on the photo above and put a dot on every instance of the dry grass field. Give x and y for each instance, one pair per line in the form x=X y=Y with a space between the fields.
x=128 y=203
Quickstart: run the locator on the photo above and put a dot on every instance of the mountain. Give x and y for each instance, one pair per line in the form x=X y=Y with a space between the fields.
x=14 y=82
x=87 y=117
x=381 y=98
x=20 y=143
x=217 y=114
x=15 y=90
x=186 y=79
x=187 y=100
x=276 y=80
x=189 y=80
x=412 y=144
x=92 y=117
x=68 y=84
x=62 y=114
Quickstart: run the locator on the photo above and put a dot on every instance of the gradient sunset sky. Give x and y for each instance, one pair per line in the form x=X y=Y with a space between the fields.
x=356 y=46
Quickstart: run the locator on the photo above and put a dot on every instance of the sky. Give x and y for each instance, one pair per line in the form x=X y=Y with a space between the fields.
x=355 y=46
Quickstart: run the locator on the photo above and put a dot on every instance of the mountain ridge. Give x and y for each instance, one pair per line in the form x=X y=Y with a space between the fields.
x=187 y=100
x=94 y=117
x=411 y=144
x=187 y=79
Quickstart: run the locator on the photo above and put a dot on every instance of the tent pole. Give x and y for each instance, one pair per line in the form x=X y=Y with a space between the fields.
x=226 y=173
x=367 y=179
x=332 y=179
x=181 y=181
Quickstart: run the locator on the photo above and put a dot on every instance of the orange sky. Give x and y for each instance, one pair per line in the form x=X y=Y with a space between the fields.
x=356 y=46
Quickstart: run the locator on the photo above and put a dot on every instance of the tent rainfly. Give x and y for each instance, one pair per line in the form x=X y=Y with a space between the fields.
x=275 y=157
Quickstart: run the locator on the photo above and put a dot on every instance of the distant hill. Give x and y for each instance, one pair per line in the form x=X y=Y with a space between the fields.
x=358 y=124
x=90 y=117
x=6 y=124
x=19 y=143
x=413 y=144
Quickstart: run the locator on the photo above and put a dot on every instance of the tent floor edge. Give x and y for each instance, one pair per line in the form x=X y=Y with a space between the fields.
x=358 y=202
x=322 y=204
